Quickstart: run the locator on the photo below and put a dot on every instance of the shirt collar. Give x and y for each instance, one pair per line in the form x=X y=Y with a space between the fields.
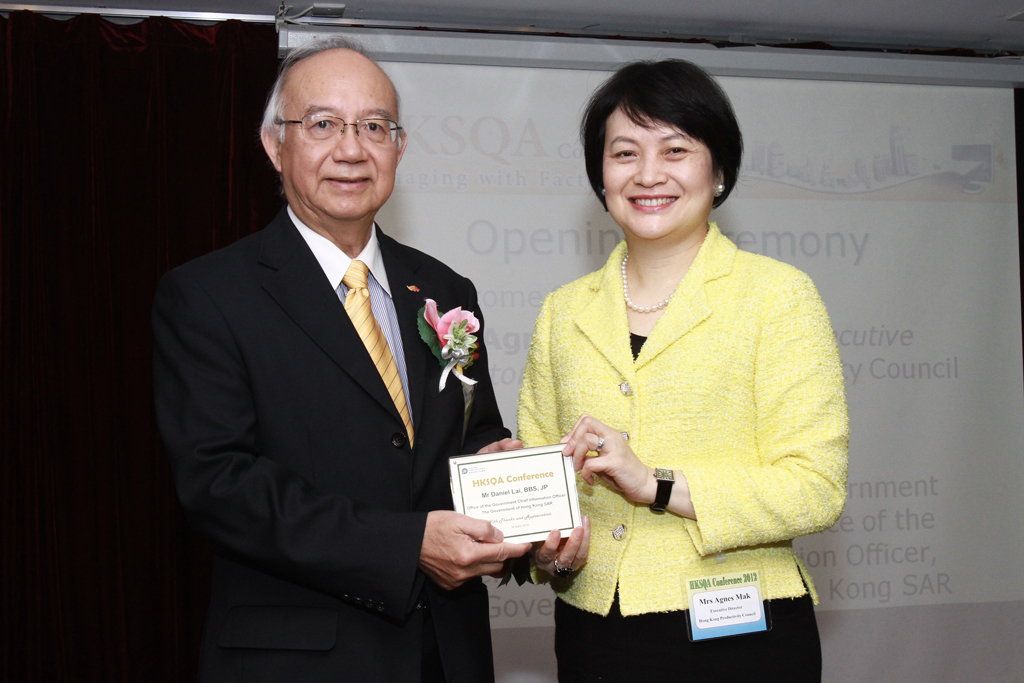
x=335 y=262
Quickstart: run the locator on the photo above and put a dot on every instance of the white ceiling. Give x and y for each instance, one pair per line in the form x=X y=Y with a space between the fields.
x=980 y=25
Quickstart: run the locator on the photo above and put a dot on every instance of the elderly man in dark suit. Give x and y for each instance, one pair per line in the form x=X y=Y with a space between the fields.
x=302 y=416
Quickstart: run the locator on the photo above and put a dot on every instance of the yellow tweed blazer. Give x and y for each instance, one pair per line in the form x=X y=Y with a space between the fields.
x=739 y=387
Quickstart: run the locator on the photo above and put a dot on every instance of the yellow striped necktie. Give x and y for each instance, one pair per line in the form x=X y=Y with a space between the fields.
x=357 y=305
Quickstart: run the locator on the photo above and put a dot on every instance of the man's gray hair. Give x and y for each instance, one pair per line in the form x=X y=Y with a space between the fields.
x=273 y=111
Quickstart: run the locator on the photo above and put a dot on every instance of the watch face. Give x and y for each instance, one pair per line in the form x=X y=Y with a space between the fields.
x=663 y=474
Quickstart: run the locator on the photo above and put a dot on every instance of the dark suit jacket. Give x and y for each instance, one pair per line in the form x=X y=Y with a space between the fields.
x=289 y=455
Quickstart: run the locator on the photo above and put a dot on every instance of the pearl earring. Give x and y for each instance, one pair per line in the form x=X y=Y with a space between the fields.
x=719 y=189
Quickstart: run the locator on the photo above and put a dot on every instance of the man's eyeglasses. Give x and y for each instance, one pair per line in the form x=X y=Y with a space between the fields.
x=321 y=127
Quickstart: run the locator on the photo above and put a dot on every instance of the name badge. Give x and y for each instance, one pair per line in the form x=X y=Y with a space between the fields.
x=726 y=605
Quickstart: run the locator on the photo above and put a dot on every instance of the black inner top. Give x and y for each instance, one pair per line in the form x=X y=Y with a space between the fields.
x=636 y=342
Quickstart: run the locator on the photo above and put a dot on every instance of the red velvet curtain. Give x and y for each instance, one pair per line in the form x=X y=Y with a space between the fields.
x=124 y=150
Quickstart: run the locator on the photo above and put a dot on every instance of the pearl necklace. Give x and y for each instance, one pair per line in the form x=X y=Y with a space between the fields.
x=629 y=302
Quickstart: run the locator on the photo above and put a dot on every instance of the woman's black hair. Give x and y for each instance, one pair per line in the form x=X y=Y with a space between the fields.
x=672 y=92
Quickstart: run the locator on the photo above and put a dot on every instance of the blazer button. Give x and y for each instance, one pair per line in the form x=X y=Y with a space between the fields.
x=626 y=389
x=619 y=532
x=398 y=439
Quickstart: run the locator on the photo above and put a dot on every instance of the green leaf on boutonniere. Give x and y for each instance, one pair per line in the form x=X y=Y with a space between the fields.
x=428 y=335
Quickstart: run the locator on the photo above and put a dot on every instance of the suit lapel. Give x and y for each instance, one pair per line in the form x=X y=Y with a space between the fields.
x=603 y=320
x=292 y=276
x=689 y=306
x=403 y=266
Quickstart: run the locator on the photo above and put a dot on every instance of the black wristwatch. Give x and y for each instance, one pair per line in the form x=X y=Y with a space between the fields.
x=665 y=479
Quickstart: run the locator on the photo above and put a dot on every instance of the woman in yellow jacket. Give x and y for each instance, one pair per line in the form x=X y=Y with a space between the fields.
x=700 y=392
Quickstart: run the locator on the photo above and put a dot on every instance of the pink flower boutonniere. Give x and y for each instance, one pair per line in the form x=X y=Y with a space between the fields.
x=450 y=337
